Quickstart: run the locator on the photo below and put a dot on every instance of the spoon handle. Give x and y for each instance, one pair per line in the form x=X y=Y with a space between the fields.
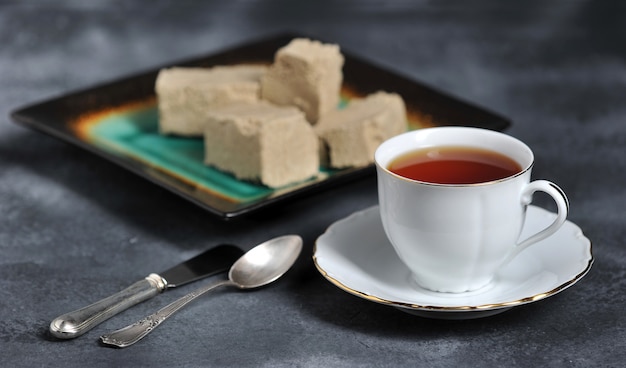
x=130 y=334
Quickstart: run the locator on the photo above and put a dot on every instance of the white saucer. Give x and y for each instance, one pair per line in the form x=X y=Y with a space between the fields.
x=355 y=255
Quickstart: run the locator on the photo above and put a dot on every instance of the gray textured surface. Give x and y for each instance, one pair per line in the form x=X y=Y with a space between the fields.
x=74 y=228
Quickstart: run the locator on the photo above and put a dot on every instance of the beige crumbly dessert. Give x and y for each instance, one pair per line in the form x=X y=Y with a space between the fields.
x=262 y=142
x=306 y=74
x=350 y=136
x=184 y=93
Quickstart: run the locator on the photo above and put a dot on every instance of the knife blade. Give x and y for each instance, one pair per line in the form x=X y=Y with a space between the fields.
x=210 y=262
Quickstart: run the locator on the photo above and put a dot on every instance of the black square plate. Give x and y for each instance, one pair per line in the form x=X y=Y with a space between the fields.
x=119 y=122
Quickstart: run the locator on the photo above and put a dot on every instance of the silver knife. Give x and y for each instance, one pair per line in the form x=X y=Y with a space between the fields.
x=212 y=261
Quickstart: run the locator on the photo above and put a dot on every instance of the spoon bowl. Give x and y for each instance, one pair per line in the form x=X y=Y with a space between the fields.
x=258 y=267
x=266 y=262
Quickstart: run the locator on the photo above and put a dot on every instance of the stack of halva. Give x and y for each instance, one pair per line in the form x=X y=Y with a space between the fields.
x=276 y=125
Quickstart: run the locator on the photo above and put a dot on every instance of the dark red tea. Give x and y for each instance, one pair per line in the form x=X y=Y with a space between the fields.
x=454 y=165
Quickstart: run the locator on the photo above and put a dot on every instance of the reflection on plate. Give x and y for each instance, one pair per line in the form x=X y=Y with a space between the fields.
x=118 y=121
x=355 y=255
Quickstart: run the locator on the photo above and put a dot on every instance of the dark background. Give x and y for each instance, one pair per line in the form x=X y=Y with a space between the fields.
x=75 y=228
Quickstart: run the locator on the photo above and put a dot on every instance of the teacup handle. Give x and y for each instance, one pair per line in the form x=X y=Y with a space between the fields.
x=562 y=205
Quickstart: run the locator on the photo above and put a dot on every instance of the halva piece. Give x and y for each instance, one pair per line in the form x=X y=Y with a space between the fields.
x=351 y=135
x=261 y=142
x=306 y=74
x=184 y=93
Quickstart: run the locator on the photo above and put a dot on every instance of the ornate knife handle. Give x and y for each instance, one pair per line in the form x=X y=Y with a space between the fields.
x=130 y=334
x=76 y=323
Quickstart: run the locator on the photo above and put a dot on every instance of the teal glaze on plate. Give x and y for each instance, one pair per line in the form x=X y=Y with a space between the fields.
x=134 y=132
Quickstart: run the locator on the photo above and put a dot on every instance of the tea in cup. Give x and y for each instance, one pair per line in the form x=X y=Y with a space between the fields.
x=453 y=203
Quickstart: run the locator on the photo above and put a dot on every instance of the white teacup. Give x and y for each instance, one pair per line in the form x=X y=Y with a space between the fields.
x=455 y=237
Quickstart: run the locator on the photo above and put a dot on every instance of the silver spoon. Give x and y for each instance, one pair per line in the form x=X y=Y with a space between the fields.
x=260 y=266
